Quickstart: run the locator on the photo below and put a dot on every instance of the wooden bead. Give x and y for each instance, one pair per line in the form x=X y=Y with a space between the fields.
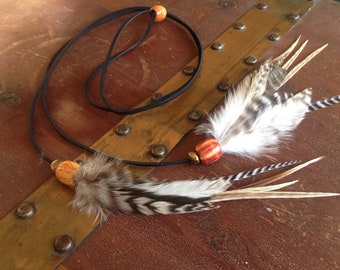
x=208 y=150
x=65 y=171
x=160 y=13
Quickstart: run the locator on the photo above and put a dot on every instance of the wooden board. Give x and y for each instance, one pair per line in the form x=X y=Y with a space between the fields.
x=211 y=236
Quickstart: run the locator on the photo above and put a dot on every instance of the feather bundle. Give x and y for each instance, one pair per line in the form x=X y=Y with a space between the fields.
x=103 y=186
x=255 y=118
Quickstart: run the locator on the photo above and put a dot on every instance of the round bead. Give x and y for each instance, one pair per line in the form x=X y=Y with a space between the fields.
x=65 y=171
x=208 y=150
x=160 y=13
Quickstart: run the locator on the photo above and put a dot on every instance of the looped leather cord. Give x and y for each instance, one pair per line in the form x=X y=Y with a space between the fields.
x=42 y=90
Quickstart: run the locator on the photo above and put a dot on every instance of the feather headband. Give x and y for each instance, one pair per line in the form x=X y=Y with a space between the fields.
x=252 y=121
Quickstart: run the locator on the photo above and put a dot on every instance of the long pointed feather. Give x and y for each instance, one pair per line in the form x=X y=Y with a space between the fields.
x=303 y=63
x=279 y=60
x=284 y=174
x=291 y=60
x=228 y=196
x=259 y=170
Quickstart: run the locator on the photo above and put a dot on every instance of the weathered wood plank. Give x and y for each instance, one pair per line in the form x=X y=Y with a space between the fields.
x=51 y=197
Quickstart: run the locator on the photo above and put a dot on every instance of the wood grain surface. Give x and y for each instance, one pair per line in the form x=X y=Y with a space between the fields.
x=270 y=234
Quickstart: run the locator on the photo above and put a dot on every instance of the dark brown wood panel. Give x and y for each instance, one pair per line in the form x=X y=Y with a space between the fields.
x=270 y=234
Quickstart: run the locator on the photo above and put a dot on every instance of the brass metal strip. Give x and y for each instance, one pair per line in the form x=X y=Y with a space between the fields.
x=28 y=243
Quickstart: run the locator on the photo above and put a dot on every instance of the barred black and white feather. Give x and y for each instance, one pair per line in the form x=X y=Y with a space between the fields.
x=255 y=118
x=103 y=186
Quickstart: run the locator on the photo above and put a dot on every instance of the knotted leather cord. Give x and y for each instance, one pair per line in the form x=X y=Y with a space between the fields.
x=42 y=90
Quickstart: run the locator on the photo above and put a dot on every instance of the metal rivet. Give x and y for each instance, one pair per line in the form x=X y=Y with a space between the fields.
x=293 y=17
x=274 y=37
x=195 y=115
x=159 y=150
x=262 y=6
x=250 y=60
x=189 y=70
x=156 y=96
x=225 y=86
x=239 y=26
x=63 y=244
x=123 y=130
x=25 y=210
x=217 y=46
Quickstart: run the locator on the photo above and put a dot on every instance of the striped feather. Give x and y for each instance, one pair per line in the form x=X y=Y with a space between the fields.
x=324 y=103
x=104 y=186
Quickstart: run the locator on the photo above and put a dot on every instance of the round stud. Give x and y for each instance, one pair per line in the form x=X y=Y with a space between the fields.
x=195 y=115
x=217 y=46
x=65 y=172
x=189 y=70
x=208 y=151
x=63 y=244
x=239 y=26
x=262 y=6
x=293 y=17
x=25 y=210
x=225 y=86
x=123 y=130
x=160 y=13
x=274 y=37
x=156 y=96
x=250 y=60
x=194 y=158
x=159 y=150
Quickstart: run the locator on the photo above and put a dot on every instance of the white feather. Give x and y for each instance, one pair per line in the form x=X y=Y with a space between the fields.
x=186 y=188
x=254 y=120
x=270 y=128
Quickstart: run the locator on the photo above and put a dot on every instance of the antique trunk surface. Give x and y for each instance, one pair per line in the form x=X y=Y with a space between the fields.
x=250 y=234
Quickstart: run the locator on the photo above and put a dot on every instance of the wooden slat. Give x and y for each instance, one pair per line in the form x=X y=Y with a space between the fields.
x=28 y=243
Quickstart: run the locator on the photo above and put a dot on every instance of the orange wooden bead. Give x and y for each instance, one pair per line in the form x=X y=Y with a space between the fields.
x=208 y=151
x=160 y=13
x=65 y=171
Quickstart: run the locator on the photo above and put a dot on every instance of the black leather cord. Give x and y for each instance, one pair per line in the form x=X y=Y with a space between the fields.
x=42 y=91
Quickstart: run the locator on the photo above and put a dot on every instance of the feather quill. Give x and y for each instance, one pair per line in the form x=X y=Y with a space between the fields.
x=103 y=186
x=255 y=118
